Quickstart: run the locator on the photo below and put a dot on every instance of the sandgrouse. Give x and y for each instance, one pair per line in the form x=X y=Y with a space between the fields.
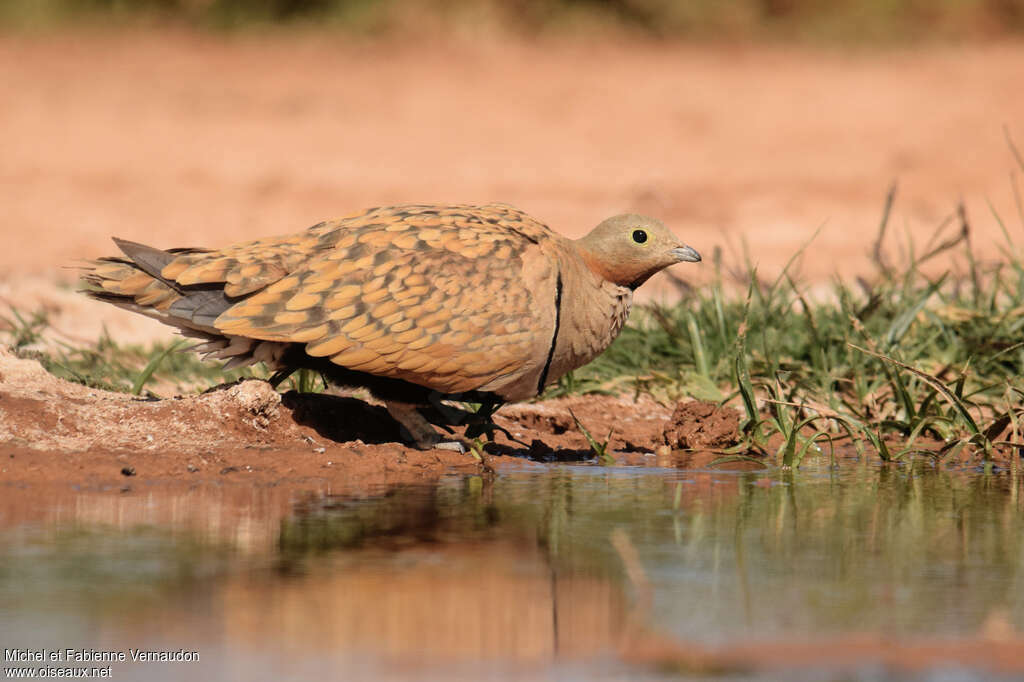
x=415 y=303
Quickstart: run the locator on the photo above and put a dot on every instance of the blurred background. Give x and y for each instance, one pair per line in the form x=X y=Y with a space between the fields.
x=746 y=126
x=753 y=128
x=844 y=20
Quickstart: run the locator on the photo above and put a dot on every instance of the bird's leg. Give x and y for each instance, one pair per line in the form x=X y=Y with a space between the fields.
x=477 y=423
x=417 y=429
x=443 y=414
x=280 y=375
x=482 y=421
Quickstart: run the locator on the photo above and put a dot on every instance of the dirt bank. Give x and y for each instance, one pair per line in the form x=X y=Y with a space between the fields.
x=53 y=431
x=179 y=138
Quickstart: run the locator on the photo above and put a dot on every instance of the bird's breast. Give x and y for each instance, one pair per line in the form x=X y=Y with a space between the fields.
x=593 y=312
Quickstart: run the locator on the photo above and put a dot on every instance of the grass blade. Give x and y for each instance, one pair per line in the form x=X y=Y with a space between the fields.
x=147 y=372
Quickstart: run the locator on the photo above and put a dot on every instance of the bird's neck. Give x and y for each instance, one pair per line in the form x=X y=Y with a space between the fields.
x=594 y=261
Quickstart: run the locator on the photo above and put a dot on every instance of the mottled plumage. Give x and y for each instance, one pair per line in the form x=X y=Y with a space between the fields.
x=407 y=300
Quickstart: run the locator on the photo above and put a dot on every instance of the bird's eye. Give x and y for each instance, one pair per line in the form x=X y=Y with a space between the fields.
x=639 y=236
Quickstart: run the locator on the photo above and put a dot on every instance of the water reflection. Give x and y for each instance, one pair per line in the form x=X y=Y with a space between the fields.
x=531 y=571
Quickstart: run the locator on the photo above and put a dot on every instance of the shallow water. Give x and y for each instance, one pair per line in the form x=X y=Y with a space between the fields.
x=567 y=572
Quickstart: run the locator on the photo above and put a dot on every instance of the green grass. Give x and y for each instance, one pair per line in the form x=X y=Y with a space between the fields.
x=885 y=363
x=806 y=20
x=160 y=369
x=895 y=357
x=599 y=449
x=896 y=363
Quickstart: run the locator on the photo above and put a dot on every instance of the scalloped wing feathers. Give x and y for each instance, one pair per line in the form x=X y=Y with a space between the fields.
x=454 y=298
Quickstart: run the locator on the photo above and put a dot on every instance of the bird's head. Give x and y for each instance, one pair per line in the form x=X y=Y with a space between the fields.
x=628 y=249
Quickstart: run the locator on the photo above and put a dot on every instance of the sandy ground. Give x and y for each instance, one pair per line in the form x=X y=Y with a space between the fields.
x=56 y=432
x=180 y=139
x=185 y=139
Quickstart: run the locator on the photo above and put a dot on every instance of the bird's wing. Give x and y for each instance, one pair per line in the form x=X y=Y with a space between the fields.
x=246 y=267
x=453 y=298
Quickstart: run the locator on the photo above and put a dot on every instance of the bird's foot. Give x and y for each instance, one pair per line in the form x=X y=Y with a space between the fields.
x=280 y=375
x=481 y=423
x=418 y=431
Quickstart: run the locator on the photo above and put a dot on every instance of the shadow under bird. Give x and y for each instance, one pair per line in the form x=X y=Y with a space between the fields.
x=416 y=303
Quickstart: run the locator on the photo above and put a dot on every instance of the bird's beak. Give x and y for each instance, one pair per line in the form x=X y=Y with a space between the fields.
x=686 y=254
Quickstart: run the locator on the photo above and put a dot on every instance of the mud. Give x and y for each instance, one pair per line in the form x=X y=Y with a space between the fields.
x=52 y=430
x=183 y=139
x=699 y=425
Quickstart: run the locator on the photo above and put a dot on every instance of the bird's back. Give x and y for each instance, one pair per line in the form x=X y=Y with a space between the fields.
x=450 y=298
